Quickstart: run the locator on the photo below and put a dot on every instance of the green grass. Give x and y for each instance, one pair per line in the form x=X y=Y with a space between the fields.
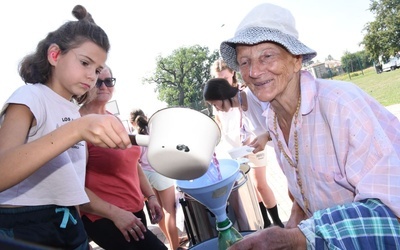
x=384 y=87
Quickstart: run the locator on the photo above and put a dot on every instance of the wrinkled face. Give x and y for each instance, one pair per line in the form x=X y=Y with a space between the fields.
x=226 y=74
x=268 y=69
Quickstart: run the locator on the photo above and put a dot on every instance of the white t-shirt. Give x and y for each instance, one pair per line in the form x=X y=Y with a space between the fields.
x=61 y=180
x=230 y=126
x=254 y=113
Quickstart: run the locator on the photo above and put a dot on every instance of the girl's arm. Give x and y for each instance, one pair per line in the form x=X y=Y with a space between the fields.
x=18 y=159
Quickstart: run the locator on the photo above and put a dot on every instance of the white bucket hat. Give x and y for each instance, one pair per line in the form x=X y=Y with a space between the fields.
x=266 y=22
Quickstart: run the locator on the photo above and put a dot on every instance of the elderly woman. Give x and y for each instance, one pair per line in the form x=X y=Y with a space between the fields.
x=338 y=147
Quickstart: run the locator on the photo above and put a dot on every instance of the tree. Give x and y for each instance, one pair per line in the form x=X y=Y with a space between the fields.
x=329 y=58
x=352 y=62
x=383 y=35
x=180 y=77
x=364 y=59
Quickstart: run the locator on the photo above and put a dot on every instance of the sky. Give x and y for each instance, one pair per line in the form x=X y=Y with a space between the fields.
x=139 y=31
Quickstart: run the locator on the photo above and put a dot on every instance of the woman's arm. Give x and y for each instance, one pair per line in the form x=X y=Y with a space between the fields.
x=272 y=238
x=296 y=216
x=245 y=104
x=145 y=186
x=156 y=212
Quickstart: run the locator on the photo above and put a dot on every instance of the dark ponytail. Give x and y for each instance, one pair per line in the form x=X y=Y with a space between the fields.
x=138 y=117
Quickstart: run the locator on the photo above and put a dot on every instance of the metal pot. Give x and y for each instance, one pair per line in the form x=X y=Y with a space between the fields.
x=181 y=142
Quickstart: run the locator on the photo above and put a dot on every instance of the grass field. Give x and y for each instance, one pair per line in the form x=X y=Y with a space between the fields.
x=384 y=87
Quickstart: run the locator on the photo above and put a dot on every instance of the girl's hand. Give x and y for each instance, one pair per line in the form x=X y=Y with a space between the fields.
x=156 y=212
x=103 y=131
x=296 y=216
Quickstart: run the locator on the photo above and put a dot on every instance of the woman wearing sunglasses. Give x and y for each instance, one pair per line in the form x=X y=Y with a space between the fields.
x=116 y=186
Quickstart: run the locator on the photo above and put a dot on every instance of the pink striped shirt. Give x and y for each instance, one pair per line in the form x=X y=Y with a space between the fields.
x=349 y=147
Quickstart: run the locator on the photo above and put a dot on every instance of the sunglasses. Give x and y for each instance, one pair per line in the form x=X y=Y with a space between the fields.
x=109 y=82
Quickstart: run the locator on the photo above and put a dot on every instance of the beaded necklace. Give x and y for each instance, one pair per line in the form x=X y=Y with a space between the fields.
x=296 y=147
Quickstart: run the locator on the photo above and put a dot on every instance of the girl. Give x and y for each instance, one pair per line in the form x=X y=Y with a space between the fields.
x=42 y=148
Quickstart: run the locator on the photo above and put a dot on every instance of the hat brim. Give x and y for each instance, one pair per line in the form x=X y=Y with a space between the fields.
x=255 y=35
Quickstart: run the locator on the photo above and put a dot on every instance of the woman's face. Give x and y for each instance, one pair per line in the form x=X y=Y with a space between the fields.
x=268 y=69
x=226 y=74
x=102 y=92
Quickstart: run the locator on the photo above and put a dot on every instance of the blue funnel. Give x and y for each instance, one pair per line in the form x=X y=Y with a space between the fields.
x=213 y=195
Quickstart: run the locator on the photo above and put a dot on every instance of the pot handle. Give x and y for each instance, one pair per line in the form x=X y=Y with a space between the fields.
x=140 y=140
x=241 y=183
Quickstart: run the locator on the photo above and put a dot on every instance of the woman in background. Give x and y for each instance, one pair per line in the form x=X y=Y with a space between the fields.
x=163 y=187
x=115 y=183
x=232 y=121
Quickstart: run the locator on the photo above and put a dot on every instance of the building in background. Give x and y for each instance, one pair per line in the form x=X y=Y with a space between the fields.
x=327 y=69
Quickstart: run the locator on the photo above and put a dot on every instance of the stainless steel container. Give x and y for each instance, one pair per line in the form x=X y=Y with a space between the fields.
x=242 y=209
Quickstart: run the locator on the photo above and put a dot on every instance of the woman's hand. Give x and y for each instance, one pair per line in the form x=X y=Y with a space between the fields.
x=128 y=224
x=296 y=216
x=259 y=142
x=156 y=212
x=272 y=238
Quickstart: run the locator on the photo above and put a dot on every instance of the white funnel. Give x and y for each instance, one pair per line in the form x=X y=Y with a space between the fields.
x=215 y=195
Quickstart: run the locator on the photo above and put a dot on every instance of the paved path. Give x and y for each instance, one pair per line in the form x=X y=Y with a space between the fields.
x=395 y=109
